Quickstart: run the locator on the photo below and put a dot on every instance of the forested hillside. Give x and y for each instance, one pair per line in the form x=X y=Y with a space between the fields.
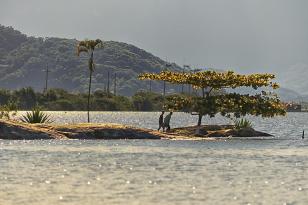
x=23 y=61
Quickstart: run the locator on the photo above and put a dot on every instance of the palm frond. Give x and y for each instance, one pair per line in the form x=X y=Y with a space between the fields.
x=90 y=44
x=83 y=43
x=81 y=49
x=99 y=43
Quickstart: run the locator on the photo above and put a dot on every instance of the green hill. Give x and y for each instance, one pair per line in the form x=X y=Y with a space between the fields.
x=23 y=61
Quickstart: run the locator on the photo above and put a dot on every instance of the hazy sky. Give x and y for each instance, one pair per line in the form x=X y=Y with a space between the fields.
x=246 y=35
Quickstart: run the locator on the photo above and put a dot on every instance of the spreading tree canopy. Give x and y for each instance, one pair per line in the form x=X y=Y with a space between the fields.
x=265 y=104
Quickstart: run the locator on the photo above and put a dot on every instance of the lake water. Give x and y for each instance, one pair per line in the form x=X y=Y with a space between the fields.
x=240 y=171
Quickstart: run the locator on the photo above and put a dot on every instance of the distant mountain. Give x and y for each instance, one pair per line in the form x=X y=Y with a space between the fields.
x=23 y=61
x=295 y=78
x=288 y=95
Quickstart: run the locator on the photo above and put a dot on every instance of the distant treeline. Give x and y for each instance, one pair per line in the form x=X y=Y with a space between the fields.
x=61 y=100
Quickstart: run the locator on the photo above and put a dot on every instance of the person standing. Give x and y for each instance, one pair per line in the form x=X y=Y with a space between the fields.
x=161 y=121
x=167 y=121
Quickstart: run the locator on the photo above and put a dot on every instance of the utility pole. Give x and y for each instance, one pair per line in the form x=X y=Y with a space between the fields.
x=196 y=71
x=115 y=84
x=108 y=83
x=46 y=79
x=164 y=91
x=150 y=85
x=188 y=67
x=168 y=65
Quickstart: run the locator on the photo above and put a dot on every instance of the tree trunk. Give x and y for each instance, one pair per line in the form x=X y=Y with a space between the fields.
x=199 y=124
x=199 y=120
x=89 y=94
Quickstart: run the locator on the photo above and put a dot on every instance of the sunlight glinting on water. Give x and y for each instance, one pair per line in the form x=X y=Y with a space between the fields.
x=272 y=171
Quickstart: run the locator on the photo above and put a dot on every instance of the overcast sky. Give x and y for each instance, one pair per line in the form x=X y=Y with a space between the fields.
x=246 y=35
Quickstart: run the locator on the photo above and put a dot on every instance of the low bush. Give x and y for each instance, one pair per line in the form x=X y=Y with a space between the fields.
x=242 y=123
x=36 y=116
x=8 y=110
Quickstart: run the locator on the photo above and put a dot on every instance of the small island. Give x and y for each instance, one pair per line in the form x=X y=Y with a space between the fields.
x=212 y=101
x=13 y=130
x=211 y=92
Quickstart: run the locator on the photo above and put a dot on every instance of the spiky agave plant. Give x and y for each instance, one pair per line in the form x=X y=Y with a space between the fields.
x=36 y=116
x=88 y=46
x=242 y=123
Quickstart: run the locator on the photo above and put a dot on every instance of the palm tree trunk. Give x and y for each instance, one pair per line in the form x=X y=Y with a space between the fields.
x=91 y=67
x=89 y=95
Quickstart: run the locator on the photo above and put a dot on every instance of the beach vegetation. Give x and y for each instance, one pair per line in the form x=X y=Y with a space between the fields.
x=242 y=123
x=56 y=99
x=36 y=116
x=8 y=110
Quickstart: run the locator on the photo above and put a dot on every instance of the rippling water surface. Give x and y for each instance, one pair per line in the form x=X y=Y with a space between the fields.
x=272 y=171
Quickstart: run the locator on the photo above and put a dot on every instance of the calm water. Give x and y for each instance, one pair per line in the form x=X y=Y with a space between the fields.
x=273 y=171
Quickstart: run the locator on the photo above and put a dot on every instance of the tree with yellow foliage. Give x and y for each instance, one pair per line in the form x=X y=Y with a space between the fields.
x=266 y=104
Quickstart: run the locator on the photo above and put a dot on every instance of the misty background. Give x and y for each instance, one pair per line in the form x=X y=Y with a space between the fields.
x=243 y=35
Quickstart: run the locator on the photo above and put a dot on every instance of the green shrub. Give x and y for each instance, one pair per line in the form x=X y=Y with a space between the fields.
x=36 y=116
x=8 y=110
x=242 y=123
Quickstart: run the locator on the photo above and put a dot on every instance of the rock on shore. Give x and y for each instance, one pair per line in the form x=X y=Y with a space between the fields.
x=216 y=131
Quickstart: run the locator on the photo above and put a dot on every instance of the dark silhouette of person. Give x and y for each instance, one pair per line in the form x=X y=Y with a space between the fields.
x=161 y=121
x=167 y=121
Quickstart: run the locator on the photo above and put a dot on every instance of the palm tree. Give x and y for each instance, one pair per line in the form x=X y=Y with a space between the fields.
x=88 y=46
